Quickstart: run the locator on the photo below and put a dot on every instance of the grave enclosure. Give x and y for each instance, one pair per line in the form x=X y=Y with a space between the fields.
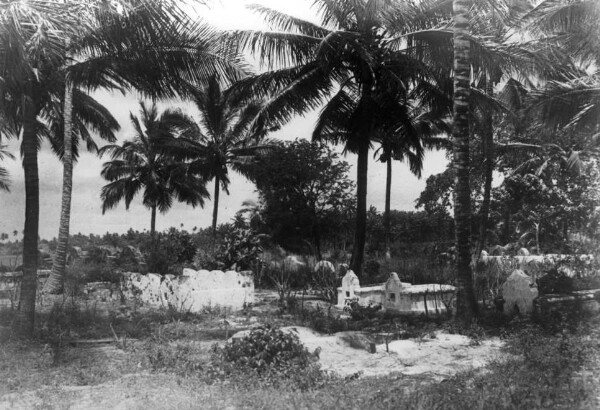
x=396 y=296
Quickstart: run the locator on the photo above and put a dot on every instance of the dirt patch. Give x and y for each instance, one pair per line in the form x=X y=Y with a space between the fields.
x=440 y=356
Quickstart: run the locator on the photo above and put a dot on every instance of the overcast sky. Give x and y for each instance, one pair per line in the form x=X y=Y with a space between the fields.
x=86 y=213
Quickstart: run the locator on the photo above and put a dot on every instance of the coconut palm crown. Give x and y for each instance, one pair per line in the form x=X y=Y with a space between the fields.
x=223 y=138
x=142 y=164
x=347 y=65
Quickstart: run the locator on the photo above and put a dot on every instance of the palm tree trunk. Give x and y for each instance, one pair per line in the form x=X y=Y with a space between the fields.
x=388 y=198
x=215 y=207
x=489 y=157
x=466 y=302
x=55 y=282
x=537 y=238
x=25 y=316
x=360 y=233
x=153 y=221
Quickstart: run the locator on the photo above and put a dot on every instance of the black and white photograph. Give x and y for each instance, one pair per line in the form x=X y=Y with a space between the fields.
x=299 y=204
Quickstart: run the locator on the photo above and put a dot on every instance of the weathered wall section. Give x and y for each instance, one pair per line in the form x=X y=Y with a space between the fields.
x=192 y=291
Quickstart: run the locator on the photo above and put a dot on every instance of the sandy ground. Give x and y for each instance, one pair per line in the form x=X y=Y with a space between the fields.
x=132 y=392
x=440 y=357
x=437 y=357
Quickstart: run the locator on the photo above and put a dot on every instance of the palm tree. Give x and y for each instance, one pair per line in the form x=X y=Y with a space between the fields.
x=33 y=35
x=31 y=38
x=347 y=62
x=224 y=138
x=466 y=302
x=4 y=176
x=85 y=115
x=409 y=144
x=111 y=51
x=141 y=163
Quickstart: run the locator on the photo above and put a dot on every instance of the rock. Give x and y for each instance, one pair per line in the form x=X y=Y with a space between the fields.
x=356 y=340
x=518 y=293
x=239 y=335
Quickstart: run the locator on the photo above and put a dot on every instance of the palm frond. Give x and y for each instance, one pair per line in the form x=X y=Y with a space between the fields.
x=279 y=21
x=275 y=49
x=574 y=104
x=305 y=92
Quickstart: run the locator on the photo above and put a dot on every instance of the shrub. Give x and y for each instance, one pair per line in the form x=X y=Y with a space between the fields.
x=323 y=321
x=555 y=282
x=95 y=272
x=208 y=259
x=275 y=357
x=358 y=312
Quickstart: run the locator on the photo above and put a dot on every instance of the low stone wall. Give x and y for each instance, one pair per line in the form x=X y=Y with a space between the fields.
x=371 y=295
x=192 y=291
x=532 y=265
x=10 y=286
x=586 y=300
x=429 y=299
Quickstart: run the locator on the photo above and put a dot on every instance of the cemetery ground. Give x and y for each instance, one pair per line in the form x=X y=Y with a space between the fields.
x=91 y=353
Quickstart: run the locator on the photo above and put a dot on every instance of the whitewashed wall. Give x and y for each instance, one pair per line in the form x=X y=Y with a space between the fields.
x=193 y=291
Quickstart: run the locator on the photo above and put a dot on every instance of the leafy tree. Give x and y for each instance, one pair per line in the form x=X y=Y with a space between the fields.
x=549 y=191
x=141 y=163
x=304 y=189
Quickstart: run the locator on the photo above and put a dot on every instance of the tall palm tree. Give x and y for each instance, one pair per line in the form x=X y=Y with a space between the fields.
x=224 y=138
x=79 y=116
x=141 y=163
x=409 y=145
x=346 y=62
x=31 y=37
x=112 y=51
x=4 y=176
x=466 y=302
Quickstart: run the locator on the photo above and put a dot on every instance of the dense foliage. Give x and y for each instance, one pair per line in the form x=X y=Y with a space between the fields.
x=305 y=194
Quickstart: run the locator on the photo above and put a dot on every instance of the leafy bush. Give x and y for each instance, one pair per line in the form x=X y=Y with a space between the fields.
x=358 y=312
x=127 y=260
x=95 y=272
x=241 y=246
x=323 y=321
x=274 y=357
x=208 y=259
